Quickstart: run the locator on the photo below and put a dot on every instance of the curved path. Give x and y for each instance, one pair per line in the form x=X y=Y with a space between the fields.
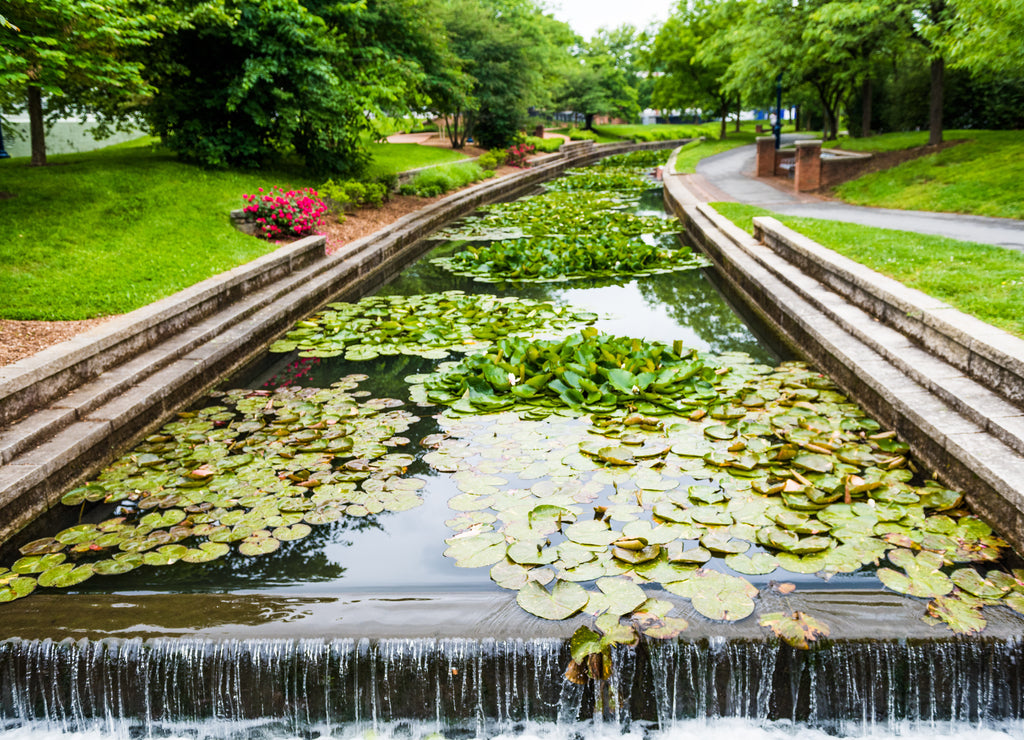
x=731 y=174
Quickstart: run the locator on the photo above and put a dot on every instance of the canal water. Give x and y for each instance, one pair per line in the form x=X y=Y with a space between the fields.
x=428 y=688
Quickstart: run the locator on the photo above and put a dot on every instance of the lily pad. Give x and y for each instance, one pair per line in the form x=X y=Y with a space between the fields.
x=561 y=602
x=716 y=595
x=797 y=628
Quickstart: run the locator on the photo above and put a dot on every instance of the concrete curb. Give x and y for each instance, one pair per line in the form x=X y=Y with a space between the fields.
x=965 y=433
x=987 y=354
x=70 y=410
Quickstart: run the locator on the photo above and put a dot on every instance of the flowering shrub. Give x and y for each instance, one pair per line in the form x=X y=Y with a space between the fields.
x=279 y=213
x=517 y=155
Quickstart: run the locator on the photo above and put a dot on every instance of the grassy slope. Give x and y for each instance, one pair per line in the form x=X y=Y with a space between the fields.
x=981 y=176
x=979 y=279
x=108 y=231
x=390 y=159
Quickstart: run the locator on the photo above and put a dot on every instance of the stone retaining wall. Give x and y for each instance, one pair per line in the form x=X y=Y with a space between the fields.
x=957 y=419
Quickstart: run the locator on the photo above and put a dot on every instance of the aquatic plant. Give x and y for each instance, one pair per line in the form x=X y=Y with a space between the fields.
x=556 y=258
x=755 y=468
x=256 y=469
x=428 y=325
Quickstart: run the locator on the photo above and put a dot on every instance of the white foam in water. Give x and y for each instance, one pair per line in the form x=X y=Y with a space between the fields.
x=718 y=729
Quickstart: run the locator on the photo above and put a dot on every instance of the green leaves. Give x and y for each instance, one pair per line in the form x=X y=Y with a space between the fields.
x=557 y=258
x=717 y=595
x=251 y=471
x=561 y=602
x=430 y=325
x=797 y=629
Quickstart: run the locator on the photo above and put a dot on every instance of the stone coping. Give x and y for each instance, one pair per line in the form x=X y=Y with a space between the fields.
x=986 y=353
x=852 y=615
x=967 y=436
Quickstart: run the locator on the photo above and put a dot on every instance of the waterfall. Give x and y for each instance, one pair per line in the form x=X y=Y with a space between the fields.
x=487 y=687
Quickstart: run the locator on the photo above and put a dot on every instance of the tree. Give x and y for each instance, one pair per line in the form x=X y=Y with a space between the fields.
x=693 y=50
x=72 y=57
x=510 y=51
x=598 y=81
x=242 y=81
x=987 y=36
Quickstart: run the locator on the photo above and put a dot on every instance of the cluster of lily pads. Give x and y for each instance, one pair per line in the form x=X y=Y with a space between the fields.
x=430 y=325
x=254 y=470
x=576 y=229
x=558 y=213
x=644 y=158
x=623 y=180
x=690 y=473
x=558 y=258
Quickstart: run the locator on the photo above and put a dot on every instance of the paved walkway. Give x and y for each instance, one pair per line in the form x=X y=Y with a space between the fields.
x=731 y=173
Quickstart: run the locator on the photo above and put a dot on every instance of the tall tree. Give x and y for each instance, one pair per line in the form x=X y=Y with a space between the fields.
x=72 y=57
x=693 y=53
x=987 y=36
x=601 y=79
x=511 y=51
x=241 y=81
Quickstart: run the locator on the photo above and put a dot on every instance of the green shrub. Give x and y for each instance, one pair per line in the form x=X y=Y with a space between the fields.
x=438 y=180
x=347 y=195
x=577 y=134
x=544 y=145
x=493 y=159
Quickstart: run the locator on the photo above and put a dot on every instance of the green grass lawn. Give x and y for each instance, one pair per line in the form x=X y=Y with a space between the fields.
x=692 y=153
x=981 y=176
x=982 y=280
x=108 y=231
x=390 y=159
x=663 y=131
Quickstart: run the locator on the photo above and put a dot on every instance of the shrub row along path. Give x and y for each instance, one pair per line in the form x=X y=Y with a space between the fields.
x=730 y=176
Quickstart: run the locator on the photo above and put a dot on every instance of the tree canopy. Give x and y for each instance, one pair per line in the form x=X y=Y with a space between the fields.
x=76 y=55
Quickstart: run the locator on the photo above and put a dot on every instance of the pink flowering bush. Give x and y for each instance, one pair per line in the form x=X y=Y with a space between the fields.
x=517 y=155
x=281 y=213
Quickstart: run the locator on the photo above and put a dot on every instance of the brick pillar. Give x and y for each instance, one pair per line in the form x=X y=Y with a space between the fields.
x=808 y=166
x=765 y=156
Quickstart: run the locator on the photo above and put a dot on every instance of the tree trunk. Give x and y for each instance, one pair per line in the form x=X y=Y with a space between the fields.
x=37 y=131
x=935 y=104
x=725 y=121
x=588 y=121
x=739 y=112
x=865 y=111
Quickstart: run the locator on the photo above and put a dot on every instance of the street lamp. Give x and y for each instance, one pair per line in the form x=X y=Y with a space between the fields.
x=3 y=152
x=777 y=127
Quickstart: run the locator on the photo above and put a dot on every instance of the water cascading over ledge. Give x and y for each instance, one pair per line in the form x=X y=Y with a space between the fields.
x=483 y=687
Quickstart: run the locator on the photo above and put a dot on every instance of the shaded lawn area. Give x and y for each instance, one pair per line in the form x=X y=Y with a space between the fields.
x=108 y=231
x=979 y=279
x=981 y=176
x=390 y=159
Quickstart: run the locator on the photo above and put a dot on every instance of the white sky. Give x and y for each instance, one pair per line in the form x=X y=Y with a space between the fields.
x=586 y=16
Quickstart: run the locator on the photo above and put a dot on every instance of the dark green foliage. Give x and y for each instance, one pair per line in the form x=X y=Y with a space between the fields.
x=348 y=195
x=236 y=93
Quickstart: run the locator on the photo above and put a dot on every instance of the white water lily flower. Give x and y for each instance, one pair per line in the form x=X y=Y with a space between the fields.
x=511 y=379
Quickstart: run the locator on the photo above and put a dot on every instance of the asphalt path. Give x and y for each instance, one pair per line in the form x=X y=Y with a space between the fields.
x=732 y=172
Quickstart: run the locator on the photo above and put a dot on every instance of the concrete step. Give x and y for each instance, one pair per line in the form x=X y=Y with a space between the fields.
x=965 y=434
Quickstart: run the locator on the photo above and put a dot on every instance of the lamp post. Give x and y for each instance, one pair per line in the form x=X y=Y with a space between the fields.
x=3 y=152
x=777 y=127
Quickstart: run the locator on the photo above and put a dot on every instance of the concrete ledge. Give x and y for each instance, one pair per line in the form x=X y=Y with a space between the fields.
x=987 y=354
x=955 y=441
x=96 y=395
x=37 y=380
